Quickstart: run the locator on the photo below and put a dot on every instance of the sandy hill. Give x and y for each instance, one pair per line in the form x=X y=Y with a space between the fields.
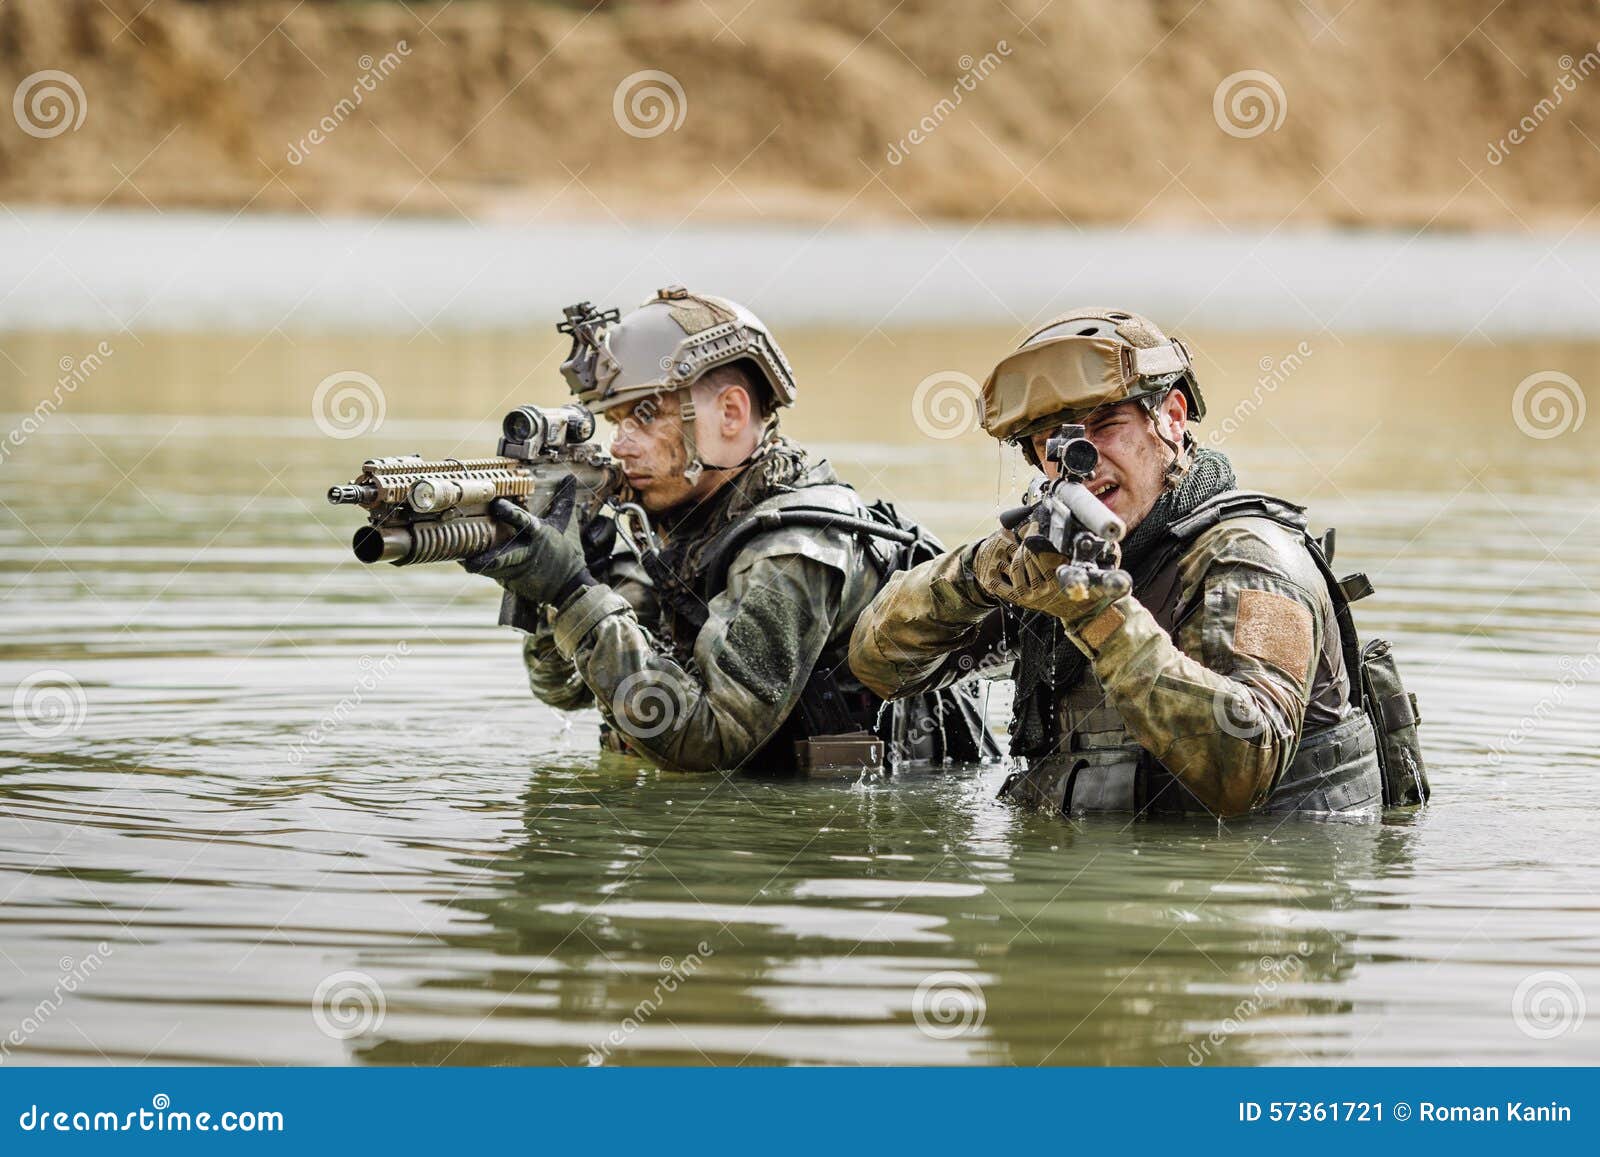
x=1108 y=111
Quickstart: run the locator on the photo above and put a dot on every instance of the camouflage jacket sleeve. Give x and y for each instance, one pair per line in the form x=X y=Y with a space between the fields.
x=751 y=661
x=925 y=629
x=551 y=675
x=1223 y=707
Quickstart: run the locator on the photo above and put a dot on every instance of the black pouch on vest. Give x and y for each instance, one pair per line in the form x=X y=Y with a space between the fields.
x=1394 y=717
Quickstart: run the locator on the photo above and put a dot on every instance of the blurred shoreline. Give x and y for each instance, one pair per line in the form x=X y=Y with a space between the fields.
x=124 y=271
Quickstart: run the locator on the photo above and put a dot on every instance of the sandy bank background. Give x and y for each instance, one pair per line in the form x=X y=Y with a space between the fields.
x=1360 y=113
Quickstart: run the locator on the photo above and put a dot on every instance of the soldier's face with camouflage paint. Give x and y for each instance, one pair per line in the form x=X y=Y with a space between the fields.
x=648 y=441
x=1133 y=460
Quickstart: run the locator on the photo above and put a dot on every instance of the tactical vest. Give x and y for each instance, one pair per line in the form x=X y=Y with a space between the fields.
x=1087 y=761
x=825 y=519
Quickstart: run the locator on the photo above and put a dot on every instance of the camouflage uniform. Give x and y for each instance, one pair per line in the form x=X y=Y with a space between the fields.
x=726 y=646
x=1218 y=685
x=724 y=695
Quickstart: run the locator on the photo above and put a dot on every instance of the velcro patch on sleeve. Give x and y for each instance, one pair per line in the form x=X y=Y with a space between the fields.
x=1102 y=627
x=1277 y=630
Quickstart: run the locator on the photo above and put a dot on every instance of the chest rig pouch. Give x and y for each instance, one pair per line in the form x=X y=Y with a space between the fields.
x=1368 y=757
x=1375 y=688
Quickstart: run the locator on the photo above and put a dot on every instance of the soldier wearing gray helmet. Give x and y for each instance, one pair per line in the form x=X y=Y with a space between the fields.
x=1228 y=681
x=711 y=628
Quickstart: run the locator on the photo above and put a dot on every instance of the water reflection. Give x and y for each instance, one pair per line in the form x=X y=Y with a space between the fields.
x=1127 y=944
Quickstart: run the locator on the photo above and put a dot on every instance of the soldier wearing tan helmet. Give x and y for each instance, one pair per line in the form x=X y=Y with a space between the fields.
x=1224 y=683
x=712 y=631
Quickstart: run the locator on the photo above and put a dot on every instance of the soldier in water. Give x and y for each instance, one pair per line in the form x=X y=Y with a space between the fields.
x=1222 y=683
x=720 y=640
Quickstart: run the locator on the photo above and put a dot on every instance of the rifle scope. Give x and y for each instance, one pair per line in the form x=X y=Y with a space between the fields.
x=1070 y=449
x=539 y=428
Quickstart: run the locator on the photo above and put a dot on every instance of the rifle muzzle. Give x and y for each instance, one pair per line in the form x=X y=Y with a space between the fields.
x=352 y=494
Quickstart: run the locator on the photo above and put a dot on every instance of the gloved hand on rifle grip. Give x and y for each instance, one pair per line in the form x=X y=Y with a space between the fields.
x=1025 y=574
x=543 y=560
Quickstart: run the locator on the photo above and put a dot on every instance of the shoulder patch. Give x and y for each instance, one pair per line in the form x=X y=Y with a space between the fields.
x=763 y=641
x=1275 y=629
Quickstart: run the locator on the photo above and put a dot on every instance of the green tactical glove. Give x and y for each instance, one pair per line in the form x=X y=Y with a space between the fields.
x=1025 y=574
x=542 y=562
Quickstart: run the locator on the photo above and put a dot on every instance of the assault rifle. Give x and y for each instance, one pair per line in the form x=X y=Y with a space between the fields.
x=1075 y=523
x=436 y=509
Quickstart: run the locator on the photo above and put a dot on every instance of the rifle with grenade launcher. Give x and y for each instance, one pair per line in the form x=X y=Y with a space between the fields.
x=437 y=509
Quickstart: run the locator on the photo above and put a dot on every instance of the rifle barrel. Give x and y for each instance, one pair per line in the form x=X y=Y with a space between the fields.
x=1089 y=512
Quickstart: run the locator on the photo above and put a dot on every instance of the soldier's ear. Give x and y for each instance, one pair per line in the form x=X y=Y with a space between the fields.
x=733 y=410
x=1174 y=412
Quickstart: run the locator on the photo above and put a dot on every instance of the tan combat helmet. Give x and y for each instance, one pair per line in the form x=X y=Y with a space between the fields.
x=663 y=347
x=1085 y=359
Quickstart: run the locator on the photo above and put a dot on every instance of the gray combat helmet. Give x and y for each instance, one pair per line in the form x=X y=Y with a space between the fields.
x=663 y=346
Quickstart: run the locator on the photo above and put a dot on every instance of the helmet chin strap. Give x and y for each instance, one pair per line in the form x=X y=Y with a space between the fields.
x=696 y=465
x=1179 y=466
